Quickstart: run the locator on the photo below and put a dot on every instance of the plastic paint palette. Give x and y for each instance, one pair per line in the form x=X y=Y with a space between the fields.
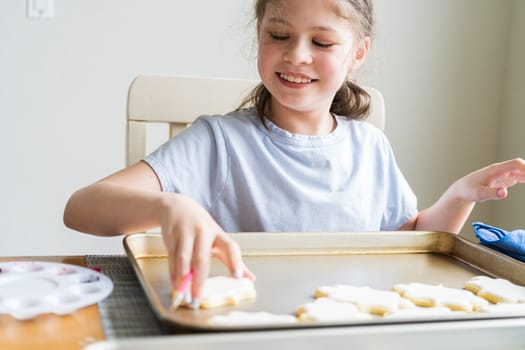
x=31 y=288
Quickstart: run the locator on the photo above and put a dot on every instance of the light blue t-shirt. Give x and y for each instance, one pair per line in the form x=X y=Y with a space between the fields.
x=256 y=179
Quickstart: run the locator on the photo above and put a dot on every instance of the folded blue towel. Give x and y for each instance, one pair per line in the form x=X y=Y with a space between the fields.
x=511 y=243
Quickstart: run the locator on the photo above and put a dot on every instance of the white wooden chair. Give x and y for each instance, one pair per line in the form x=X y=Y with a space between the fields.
x=178 y=101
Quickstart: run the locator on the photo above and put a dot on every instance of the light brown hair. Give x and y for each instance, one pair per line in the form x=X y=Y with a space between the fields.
x=351 y=100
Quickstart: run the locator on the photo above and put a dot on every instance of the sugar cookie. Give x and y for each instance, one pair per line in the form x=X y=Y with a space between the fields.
x=496 y=290
x=328 y=310
x=438 y=295
x=422 y=312
x=242 y=318
x=222 y=290
x=506 y=308
x=365 y=299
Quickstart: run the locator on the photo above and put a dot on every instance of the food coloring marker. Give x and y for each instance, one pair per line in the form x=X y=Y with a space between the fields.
x=183 y=288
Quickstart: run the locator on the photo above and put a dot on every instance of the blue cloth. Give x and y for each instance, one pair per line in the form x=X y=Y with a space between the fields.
x=253 y=178
x=511 y=243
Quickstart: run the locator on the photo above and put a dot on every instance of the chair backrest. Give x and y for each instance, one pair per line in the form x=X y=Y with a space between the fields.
x=178 y=101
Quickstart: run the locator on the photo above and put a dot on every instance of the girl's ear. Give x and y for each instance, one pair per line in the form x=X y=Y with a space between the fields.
x=360 y=54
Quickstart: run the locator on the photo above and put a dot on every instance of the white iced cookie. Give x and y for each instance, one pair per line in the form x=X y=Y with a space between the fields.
x=241 y=318
x=496 y=290
x=506 y=308
x=422 y=312
x=328 y=310
x=222 y=290
x=365 y=299
x=429 y=295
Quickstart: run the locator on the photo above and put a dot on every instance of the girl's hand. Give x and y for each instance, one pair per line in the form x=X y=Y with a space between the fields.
x=491 y=182
x=191 y=237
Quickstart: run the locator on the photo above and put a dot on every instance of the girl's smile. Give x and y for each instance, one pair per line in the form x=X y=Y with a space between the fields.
x=295 y=80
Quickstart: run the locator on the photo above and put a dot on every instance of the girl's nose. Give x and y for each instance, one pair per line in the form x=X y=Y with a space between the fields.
x=298 y=52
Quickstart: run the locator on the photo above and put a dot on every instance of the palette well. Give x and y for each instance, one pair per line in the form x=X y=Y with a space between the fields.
x=32 y=288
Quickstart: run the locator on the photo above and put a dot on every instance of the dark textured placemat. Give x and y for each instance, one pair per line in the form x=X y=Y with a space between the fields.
x=126 y=312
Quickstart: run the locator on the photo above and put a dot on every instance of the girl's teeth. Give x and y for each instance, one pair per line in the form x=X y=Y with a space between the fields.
x=297 y=80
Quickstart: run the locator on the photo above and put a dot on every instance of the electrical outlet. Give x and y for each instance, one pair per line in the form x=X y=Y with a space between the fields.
x=40 y=9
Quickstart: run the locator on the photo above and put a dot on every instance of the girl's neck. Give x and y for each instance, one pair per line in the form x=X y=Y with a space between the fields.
x=302 y=122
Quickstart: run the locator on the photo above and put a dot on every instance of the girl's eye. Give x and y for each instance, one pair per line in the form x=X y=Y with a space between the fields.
x=279 y=37
x=322 y=44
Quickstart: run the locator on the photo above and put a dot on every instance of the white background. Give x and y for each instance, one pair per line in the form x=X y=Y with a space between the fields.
x=452 y=73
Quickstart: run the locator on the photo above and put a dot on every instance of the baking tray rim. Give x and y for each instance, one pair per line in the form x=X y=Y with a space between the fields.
x=406 y=242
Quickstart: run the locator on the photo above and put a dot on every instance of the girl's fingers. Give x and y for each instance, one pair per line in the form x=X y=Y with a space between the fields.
x=222 y=257
x=180 y=257
x=501 y=193
x=510 y=172
x=170 y=242
x=247 y=273
x=229 y=252
x=493 y=181
x=171 y=266
x=488 y=193
x=191 y=249
x=200 y=263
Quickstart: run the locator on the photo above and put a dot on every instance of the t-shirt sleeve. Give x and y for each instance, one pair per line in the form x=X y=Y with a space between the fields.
x=193 y=163
x=401 y=202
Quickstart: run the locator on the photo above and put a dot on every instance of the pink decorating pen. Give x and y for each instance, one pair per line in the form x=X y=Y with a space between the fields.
x=183 y=288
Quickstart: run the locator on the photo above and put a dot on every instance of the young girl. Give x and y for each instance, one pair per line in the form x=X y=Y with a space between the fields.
x=300 y=160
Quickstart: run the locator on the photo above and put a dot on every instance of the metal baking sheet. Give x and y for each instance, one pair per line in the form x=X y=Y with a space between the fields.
x=290 y=266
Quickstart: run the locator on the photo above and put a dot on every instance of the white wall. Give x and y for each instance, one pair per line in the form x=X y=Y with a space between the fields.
x=509 y=214
x=63 y=93
x=440 y=65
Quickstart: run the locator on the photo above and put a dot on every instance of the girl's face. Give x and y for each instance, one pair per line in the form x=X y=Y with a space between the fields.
x=306 y=51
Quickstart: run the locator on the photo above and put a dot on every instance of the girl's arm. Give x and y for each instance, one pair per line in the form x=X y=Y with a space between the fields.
x=453 y=208
x=131 y=200
x=126 y=202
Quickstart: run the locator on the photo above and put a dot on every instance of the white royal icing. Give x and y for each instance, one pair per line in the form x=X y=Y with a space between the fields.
x=497 y=289
x=439 y=295
x=242 y=318
x=222 y=290
x=328 y=310
x=365 y=298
